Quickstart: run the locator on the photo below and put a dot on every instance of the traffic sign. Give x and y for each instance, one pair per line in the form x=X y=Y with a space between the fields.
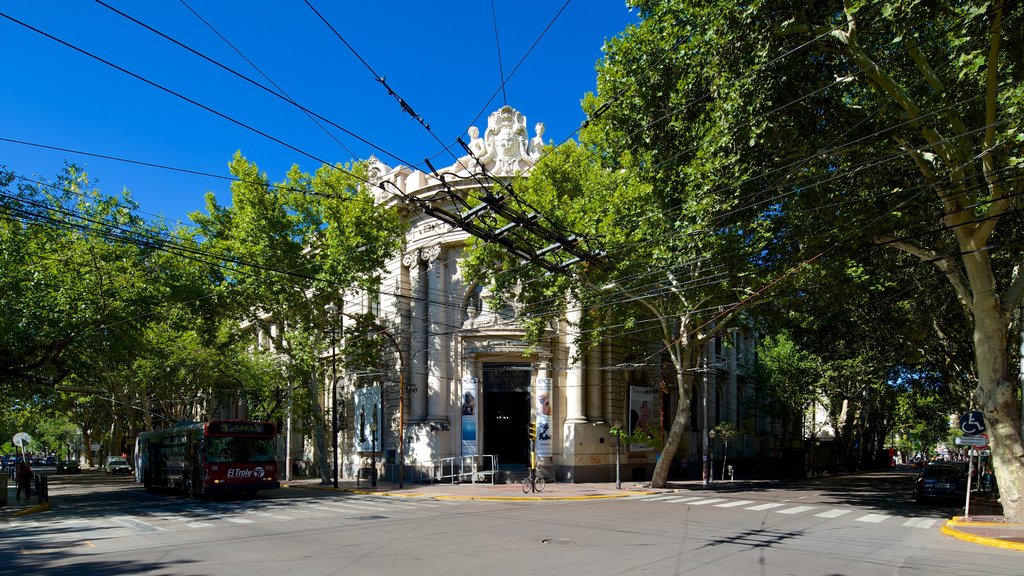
x=21 y=439
x=972 y=423
x=972 y=440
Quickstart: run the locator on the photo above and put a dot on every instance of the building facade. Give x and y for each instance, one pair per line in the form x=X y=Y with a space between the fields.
x=463 y=385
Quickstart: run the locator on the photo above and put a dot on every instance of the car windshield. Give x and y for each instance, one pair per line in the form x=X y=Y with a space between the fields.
x=118 y=462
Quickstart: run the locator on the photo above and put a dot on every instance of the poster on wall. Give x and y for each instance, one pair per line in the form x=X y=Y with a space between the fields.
x=641 y=403
x=470 y=393
x=367 y=412
x=543 y=413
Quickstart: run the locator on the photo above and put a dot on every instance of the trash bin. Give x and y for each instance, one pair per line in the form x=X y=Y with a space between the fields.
x=3 y=488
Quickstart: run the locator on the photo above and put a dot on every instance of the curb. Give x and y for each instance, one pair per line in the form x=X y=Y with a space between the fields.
x=32 y=509
x=949 y=529
x=623 y=494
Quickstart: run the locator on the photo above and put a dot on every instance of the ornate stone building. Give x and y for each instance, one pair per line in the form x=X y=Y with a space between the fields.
x=471 y=387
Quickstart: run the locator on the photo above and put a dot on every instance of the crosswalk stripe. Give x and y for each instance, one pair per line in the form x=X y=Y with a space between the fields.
x=920 y=522
x=796 y=510
x=707 y=501
x=658 y=498
x=734 y=503
x=833 y=513
x=199 y=525
x=872 y=518
x=239 y=520
x=682 y=499
x=766 y=506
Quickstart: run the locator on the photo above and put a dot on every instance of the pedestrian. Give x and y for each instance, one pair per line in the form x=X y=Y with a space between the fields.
x=24 y=478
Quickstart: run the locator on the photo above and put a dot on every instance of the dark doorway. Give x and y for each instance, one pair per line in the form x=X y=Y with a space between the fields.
x=506 y=412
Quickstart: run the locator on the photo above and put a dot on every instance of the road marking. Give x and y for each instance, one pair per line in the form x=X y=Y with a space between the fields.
x=708 y=501
x=766 y=506
x=796 y=510
x=872 y=518
x=682 y=499
x=920 y=522
x=833 y=513
x=133 y=522
x=239 y=520
x=657 y=498
x=734 y=503
x=199 y=525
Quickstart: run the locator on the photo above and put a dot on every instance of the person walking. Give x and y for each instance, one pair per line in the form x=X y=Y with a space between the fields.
x=23 y=476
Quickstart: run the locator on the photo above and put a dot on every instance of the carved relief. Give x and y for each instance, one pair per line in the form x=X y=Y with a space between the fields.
x=430 y=254
x=505 y=148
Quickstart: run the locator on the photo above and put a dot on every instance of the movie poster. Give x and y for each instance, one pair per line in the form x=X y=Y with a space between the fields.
x=543 y=415
x=470 y=395
x=367 y=412
x=641 y=412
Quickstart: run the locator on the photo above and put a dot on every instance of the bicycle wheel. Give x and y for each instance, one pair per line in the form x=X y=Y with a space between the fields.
x=526 y=485
x=538 y=482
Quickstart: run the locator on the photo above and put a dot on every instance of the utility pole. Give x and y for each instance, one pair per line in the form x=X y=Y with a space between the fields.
x=332 y=309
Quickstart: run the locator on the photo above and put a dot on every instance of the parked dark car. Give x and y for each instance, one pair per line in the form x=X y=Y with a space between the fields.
x=940 y=481
x=68 y=467
x=50 y=461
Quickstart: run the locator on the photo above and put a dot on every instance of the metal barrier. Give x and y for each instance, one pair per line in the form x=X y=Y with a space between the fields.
x=459 y=469
x=42 y=487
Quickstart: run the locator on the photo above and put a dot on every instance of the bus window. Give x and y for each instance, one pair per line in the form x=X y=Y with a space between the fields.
x=262 y=450
x=221 y=450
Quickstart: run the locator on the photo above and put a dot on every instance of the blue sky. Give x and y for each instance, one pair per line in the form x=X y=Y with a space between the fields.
x=439 y=56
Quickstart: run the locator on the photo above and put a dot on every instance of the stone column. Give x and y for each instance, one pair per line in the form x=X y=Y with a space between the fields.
x=418 y=329
x=438 y=334
x=573 y=366
x=594 y=384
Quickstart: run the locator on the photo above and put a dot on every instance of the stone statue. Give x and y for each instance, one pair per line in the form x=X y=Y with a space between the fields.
x=505 y=148
x=537 y=144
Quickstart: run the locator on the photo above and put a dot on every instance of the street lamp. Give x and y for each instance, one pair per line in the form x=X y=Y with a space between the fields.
x=373 y=449
x=618 y=476
x=333 y=310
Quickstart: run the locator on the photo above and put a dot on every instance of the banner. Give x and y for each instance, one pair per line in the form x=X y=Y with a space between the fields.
x=641 y=403
x=543 y=415
x=367 y=412
x=470 y=394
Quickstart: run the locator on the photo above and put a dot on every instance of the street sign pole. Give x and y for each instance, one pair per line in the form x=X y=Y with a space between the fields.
x=970 y=472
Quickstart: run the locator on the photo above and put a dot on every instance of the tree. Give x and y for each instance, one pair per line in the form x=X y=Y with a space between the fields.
x=838 y=125
x=287 y=250
x=673 y=274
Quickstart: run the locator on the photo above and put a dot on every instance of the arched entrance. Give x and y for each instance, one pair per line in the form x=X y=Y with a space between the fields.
x=506 y=412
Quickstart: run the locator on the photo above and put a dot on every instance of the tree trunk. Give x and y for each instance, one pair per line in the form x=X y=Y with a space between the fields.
x=996 y=399
x=319 y=433
x=682 y=360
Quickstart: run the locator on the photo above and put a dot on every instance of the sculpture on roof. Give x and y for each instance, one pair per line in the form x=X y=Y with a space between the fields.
x=505 y=148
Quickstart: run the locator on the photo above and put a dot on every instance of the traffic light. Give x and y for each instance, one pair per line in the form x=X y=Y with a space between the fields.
x=533 y=430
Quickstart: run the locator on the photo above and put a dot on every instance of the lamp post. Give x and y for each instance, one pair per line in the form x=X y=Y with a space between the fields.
x=373 y=449
x=332 y=310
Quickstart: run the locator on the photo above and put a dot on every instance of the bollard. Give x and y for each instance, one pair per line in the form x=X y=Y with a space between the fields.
x=3 y=488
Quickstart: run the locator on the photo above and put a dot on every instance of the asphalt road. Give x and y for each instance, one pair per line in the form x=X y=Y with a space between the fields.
x=861 y=525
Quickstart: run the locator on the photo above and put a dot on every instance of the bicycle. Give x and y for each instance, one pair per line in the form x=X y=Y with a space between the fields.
x=534 y=482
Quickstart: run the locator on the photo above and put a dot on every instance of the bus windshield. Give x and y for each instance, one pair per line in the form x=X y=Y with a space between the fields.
x=239 y=449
